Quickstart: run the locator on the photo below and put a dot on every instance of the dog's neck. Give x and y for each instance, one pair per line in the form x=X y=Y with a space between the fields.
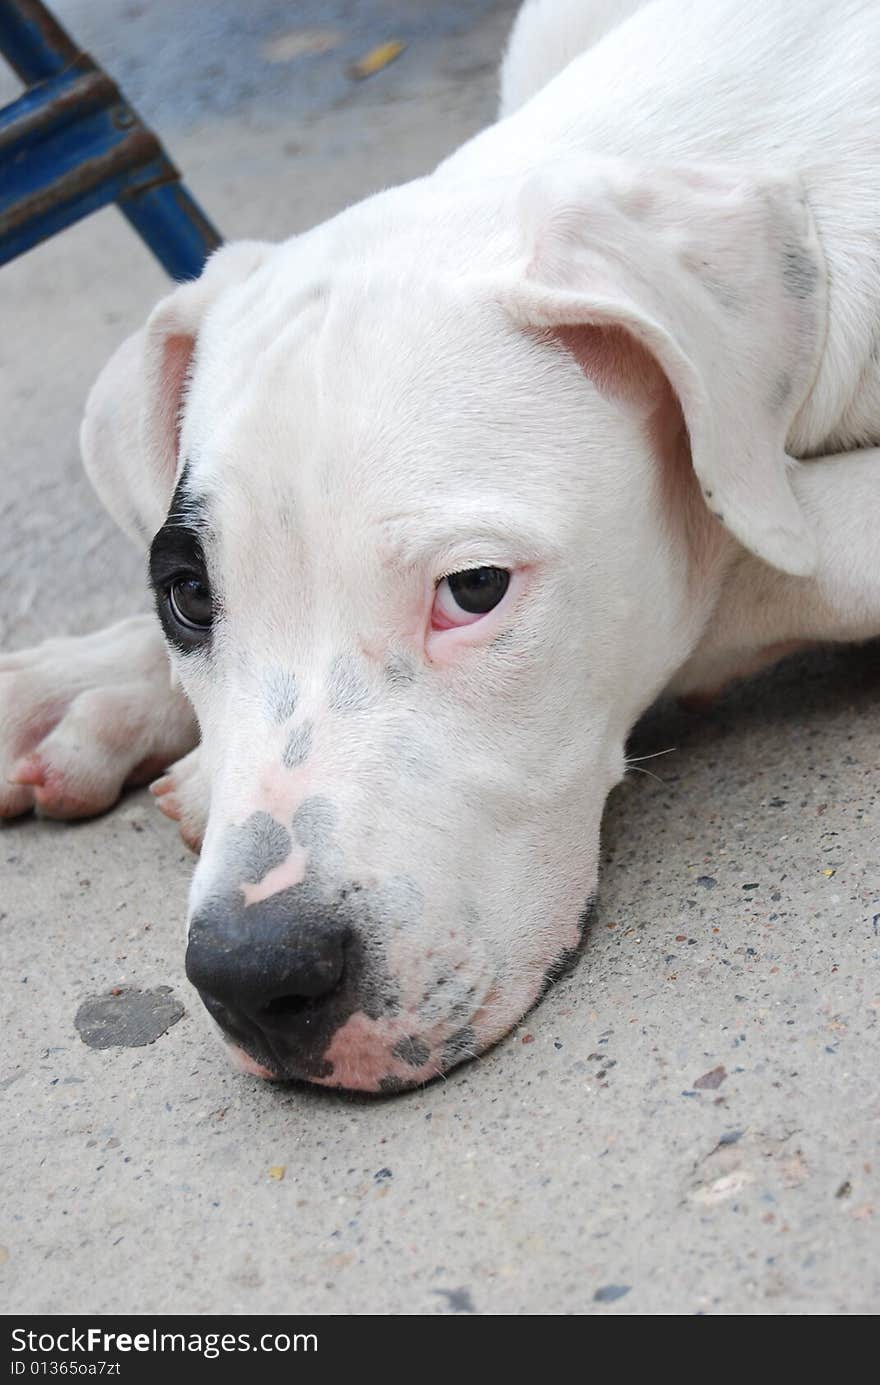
x=760 y=615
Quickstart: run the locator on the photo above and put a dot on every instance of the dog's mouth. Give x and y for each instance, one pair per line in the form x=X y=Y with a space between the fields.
x=268 y=1070
x=360 y=1073
x=364 y=1053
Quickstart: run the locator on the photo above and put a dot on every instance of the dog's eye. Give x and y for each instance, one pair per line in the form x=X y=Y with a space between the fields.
x=464 y=597
x=190 y=602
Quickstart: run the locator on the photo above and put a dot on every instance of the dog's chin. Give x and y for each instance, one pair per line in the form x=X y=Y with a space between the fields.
x=361 y=1057
x=354 y=1081
x=357 y=1074
x=252 y=1066
x=383 y=1055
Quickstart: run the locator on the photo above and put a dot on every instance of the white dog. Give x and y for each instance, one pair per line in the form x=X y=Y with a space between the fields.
x=440 y=495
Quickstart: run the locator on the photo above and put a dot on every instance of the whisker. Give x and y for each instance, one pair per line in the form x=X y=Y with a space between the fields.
x=634 y=759
x=639 y=770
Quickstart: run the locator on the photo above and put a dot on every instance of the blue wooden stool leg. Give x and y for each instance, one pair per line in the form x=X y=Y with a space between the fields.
x=173 y=225
x=71 y=144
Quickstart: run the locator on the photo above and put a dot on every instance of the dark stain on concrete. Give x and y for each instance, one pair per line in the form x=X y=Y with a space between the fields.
x=608 y=1293
x=459 y=1300
x=127 y=1018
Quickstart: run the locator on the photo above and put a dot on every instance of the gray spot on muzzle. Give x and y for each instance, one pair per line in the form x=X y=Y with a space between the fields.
x=299 y=745
x=347 y=689
x=447 y=999
x=459 y=1046
x=400 y=671
x=256 y=847
x=313 y=822
x=281 y=694
x=391 y=1085
x=412 y=755
x=412 y=1051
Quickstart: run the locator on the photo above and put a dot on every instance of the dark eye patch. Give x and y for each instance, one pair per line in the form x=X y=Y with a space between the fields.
x=191 y=604
x=178 y=571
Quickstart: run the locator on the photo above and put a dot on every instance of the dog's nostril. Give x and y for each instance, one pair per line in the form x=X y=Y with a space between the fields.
x=287 y=1006
x=256 y=969
x=323 y=983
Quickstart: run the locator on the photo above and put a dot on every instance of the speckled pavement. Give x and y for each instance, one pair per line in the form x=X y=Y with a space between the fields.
x=687 y=1124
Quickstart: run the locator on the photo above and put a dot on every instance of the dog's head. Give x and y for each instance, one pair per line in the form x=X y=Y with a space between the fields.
x=430 y=497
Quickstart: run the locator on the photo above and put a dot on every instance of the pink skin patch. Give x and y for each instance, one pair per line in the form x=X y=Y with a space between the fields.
x=31 y=770
x=290 y=872
x=162 y=786
x=247 y=1064
x=362 y=1050
x=442 y=619
x=361 y=1054
x=52 y=791
x=163 y=790
x=51 y=795
x=278 y=791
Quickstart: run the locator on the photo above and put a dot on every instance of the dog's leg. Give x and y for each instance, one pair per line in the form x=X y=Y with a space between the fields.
x=183 y=794
x=82 y=718
x=763 y=614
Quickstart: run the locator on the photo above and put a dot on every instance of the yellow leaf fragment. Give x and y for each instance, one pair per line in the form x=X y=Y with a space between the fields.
x=376 y=59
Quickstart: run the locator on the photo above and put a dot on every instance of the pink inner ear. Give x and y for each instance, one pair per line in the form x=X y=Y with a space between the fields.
x=627 y=373
x=177 y=351
x=618 y=364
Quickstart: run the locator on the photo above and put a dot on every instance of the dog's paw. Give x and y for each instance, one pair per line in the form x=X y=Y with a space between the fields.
x=183 y=794
x=80 y=719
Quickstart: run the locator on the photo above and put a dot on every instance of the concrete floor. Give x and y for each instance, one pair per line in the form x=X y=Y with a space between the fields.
x=687 y=1124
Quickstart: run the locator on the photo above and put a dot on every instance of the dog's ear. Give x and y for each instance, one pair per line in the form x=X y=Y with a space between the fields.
x=131 y=429
x=716 y=280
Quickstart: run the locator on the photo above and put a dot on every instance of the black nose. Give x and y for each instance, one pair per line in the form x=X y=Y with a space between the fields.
x=265 y=978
